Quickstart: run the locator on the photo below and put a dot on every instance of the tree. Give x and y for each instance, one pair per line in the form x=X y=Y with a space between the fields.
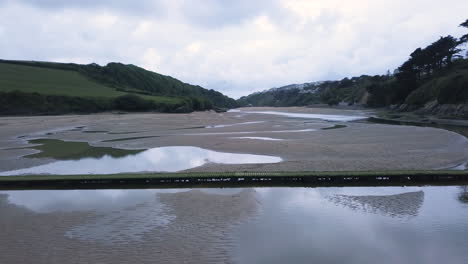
x=464 y=24
x=463 y=195
x=464 y=38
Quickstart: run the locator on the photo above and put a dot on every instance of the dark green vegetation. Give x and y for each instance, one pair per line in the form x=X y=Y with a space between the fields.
x=65 y=150
x=332 y=92
x=28 y=87
x=436 y=74
x=235 y=179
x=94 y=131
x=129 y=138
x=123 y=133
x=334 y=127
x=400 y=120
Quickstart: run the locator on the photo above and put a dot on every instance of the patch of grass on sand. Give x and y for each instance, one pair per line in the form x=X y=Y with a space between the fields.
x=67 y=150
x=334 y=127
x=129 y=138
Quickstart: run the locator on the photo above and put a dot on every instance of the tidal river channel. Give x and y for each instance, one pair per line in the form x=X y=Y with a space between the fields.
x=258 y=225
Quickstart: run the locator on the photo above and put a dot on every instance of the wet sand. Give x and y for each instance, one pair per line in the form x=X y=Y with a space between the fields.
x=303 y=144
x=177 y=231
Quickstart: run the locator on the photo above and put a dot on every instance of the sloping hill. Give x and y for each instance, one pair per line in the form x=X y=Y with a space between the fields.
x=447 y=87
x=350 y=91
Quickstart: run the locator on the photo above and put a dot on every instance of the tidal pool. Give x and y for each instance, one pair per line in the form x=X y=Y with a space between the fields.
x=259 y=225
x=343 y=118
x=164 y=159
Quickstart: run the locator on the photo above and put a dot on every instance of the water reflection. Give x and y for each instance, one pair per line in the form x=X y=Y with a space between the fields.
x=126 y=225
x=396 y=205
x=305 y=226
x=343 y=118
x=263 y=225
x=165 y=159
x=463 y=195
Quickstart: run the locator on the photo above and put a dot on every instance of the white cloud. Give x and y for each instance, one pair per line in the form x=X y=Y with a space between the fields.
x=235 y=47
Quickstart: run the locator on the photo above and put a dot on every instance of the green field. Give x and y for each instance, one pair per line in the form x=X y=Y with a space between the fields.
x=15 y=77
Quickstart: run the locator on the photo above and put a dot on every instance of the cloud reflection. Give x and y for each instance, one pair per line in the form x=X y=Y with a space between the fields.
x=165 y=159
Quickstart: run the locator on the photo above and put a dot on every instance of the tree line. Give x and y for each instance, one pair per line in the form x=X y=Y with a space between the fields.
x=423 y=64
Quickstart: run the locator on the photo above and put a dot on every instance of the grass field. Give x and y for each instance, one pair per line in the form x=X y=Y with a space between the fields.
x=14 y=77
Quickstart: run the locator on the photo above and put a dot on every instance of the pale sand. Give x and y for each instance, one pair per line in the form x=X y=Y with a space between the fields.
x=359 y=146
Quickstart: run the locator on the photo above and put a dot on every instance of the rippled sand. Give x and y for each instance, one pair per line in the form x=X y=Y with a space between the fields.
x=184 y=227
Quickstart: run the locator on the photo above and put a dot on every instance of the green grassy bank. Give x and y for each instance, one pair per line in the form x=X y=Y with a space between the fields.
x=35 y=88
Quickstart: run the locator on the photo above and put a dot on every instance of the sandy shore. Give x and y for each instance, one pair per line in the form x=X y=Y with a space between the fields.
x=303 y=143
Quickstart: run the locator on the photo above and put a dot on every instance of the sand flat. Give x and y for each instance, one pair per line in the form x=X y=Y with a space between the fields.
x=358 y=146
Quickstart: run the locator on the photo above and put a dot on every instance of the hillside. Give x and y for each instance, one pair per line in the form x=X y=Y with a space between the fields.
x=434 y=80
x=93 y=88
x=350 y=91
x=445 y=93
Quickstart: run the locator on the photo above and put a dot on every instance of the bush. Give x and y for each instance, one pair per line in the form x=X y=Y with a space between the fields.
x=132 y=103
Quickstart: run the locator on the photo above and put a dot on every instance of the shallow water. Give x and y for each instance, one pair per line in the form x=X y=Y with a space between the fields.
x=262 y=225
x=235 y=124
x=252 y=132
x=164 y=159
x=260 y=138
x=342 y=118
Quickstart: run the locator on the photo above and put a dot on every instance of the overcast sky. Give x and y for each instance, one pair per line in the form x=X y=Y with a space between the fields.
x=237 y=47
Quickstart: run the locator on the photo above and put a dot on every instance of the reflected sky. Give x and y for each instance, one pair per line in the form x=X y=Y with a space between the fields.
x=396 y=205
x=343 y=118
x=164 y=159
x=305 y=226
x=291 y=225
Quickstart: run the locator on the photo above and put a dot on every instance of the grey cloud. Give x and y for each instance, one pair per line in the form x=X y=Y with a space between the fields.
x=225 y=45
x=207 y=13
x=214 y=13
x=123 y=6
